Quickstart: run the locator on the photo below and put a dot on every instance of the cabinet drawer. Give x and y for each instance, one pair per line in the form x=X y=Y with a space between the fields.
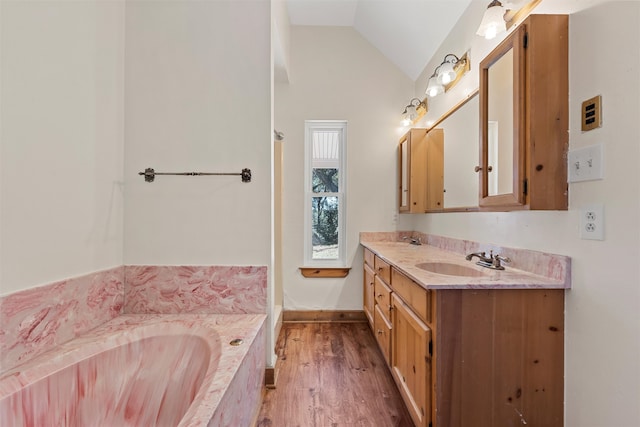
x=369 y=298
x=368 y=257
x=382 y=330
x=413 y=294
x=383 y=297
x=383 y=269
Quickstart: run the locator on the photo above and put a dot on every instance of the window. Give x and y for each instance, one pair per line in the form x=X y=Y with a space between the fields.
x=325 y=190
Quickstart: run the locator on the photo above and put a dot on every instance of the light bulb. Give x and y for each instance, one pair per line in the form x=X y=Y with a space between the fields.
x=434 y=88
x=447 y=74
x=491 y=32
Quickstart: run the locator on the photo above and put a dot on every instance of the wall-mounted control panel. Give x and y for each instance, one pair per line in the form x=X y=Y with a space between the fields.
x=592 y=113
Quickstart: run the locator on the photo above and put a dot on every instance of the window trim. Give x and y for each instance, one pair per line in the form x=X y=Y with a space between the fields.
x=310 y=126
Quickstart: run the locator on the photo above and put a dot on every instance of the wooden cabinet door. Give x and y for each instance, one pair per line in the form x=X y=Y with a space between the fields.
x=382 y=329
x=368 y=296
x=412 y=172
x=435 y=170
x=410 y=364
x=421 y=171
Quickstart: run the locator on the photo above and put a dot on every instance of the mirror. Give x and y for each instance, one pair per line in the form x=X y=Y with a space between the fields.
x=500 y=125
x=502 y=97
x=461 y=141
x=404 y=184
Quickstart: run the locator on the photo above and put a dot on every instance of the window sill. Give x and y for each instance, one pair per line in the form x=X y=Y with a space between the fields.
x=324 y=272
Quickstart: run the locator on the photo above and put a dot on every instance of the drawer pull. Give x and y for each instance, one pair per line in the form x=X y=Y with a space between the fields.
x=380 y=295
x=379 y=331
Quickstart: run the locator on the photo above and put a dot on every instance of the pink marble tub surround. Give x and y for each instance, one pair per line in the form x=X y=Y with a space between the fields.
x=37 y=319
x=219 y=384
x=528 y=269
x=195 y=289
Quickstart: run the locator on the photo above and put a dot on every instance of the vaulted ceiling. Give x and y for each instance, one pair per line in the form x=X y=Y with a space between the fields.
x=407 y=32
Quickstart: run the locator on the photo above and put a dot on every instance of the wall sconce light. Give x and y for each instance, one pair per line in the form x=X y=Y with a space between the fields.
x=492 y=21
x=434 y=87
x=500 y=16
x=447 y=74
x=414 y=111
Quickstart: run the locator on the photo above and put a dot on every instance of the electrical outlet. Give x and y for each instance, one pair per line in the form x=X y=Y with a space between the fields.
x=592 y=222
x=585 y=164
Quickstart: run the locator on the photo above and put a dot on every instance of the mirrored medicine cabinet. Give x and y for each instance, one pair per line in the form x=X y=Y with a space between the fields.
x=524 y=129
x=517 y=159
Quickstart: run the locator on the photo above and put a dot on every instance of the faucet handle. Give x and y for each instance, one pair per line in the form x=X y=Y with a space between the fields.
x=497 y=259
x=413 y=240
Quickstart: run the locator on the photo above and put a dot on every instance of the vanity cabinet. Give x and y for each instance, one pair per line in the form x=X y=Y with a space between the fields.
x=524 y=98
x=472 y=357
x=421 y=171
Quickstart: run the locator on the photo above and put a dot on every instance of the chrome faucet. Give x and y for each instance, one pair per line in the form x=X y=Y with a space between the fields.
x=413 y=240
x=492 y=261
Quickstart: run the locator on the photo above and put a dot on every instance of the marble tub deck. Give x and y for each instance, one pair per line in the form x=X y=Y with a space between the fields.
x=235 y=378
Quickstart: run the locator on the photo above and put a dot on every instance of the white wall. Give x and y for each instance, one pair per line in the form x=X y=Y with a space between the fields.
x=281 y=41
x=198 y=98
x=335 y=74
x=602 y=328
x=62 y=83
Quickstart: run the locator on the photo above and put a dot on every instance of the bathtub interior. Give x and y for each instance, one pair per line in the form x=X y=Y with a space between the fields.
x=135 y=370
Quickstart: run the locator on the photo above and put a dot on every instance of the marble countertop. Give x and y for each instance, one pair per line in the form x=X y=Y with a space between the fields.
x=405 y=257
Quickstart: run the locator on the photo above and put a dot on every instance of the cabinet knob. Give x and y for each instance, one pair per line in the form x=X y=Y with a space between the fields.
x=479 y=168
x=379 y=331
x=379 y=295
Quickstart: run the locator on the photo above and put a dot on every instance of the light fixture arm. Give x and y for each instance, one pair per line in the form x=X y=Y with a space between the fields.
x=412 y=104
x=450 y=57
x=435 y=72
x=415 y=99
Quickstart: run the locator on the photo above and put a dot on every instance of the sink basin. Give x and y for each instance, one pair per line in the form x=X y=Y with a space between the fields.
x=450 y=269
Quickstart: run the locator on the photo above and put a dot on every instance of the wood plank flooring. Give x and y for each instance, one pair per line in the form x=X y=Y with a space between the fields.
x=331 y=375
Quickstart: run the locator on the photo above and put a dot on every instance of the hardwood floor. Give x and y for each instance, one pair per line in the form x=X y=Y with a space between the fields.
x=331 y=375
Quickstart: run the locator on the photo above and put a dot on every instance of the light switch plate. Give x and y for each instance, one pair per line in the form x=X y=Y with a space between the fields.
x=585 y=164
x=592 y=222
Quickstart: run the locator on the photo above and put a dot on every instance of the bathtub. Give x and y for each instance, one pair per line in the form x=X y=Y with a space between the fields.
x=144 y=370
